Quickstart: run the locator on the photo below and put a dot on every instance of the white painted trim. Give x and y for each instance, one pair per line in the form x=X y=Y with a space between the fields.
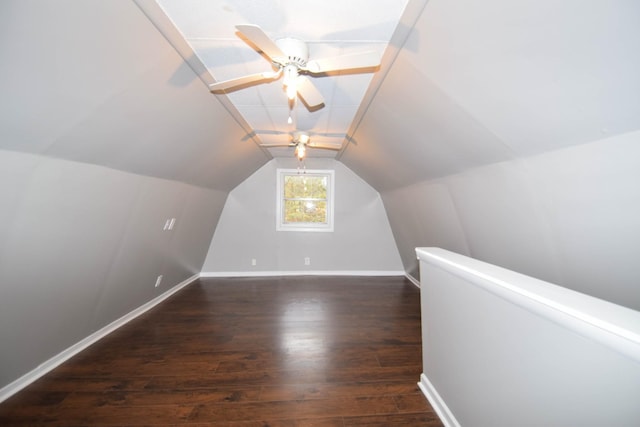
x=44 y=368
x=412 y=280
x=300 y=273
x=330 y=175
x=441 y=408
x=610 y=324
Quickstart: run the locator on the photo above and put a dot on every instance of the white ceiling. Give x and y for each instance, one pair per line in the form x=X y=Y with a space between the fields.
x=462 y=84
x=330 y=28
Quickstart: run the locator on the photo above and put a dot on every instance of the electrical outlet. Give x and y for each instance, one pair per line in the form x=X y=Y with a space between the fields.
x=253 y=261
x=307 y=261
x=158 y=280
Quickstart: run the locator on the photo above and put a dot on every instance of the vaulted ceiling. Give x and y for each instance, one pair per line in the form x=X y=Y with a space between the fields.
x=461 y=83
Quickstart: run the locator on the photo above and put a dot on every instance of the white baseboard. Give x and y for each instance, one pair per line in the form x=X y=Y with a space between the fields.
x=412 y=280
x=299 y=273
x=47 y=366
x=441 y=408
x=31 y=376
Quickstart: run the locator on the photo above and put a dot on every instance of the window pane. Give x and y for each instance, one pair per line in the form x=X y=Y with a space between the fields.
x=296 y=186
x=305 y=200
x=298 y=211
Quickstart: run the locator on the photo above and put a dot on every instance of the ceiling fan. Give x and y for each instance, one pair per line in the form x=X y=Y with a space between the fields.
x=301 y=140
x=291 y=58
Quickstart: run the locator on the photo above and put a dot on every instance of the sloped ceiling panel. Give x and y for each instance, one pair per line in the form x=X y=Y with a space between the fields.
x=101 y=85
x=416 y=131
x=481 y=82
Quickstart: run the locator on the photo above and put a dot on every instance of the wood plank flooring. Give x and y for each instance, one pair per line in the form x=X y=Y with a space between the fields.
x=248 y=352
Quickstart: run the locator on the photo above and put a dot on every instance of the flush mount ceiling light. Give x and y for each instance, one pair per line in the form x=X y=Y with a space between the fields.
x=290 y=57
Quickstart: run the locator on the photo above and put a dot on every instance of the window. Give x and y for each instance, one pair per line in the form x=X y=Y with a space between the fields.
x=305 y=200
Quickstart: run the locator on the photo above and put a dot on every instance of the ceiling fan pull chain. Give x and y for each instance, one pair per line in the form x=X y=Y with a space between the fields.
x=303 y=165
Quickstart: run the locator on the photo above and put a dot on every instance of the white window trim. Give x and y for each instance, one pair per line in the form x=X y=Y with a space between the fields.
x=280 y=224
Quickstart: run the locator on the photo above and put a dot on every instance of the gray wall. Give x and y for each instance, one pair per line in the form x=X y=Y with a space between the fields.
x=570 y=217
x=361 y=240
x=82 y=245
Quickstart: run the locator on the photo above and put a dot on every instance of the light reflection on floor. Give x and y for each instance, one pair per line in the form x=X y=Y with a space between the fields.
x=304 y=327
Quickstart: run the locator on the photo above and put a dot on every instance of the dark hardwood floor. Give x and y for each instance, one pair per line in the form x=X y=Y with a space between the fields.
x=245 y=352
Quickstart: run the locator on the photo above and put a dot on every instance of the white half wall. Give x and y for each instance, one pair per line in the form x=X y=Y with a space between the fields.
x=570 y=217
x=82 y=245
x=361 y=241
x=502 y=349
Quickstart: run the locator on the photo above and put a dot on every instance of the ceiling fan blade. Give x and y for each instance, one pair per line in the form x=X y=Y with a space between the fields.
x=345 y=62
x=329 y=135
x=309 y=93
x=326 y=143
x=270 y=132
x=328 y=138
x=261 y=40
x=325 y=146
x=277 y=145
x=243 y=81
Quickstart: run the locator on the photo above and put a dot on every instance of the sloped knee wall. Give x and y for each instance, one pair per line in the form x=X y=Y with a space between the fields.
x=82 y=245
x=570 y=217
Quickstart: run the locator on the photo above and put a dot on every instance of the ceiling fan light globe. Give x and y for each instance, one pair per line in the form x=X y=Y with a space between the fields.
x=300 y=151
x=290 y=80
x=291 y=91
x=302 y=137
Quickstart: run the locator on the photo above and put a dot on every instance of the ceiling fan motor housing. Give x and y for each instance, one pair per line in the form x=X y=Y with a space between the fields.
x=296 y=50
x=301 y=137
